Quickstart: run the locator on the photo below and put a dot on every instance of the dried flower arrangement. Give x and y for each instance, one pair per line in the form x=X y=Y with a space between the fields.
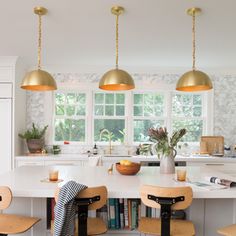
x=165 y=145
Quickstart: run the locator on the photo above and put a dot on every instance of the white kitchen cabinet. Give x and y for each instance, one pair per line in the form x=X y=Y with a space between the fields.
x=6 y=73
x=12 y=110
x=5 y=134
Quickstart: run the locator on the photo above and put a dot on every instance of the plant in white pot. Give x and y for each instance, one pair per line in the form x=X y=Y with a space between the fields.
x=34 y=138
x=165 y=147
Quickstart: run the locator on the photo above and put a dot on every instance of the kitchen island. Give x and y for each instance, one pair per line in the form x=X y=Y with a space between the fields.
x=209 y=210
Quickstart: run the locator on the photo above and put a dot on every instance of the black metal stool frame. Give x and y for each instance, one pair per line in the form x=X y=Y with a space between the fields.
x=82 y=204
x=166 y=203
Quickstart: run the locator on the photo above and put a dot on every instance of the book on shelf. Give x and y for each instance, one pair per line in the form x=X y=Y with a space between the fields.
x=112 y=213
x=129 y=213
x=117 y=214
x=133 y=214
x=126 y=217
x=121 y=209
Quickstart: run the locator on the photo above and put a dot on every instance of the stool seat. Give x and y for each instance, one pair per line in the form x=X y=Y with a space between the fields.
x=228 y=230
x=15 y=224
x=177 y=227
x=95 y=226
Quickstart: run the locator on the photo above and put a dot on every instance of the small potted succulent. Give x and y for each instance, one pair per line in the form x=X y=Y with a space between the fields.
x=34 y=138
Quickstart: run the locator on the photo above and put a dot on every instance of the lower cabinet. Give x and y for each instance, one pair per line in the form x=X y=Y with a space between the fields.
x=227 y=168
x=50 y=163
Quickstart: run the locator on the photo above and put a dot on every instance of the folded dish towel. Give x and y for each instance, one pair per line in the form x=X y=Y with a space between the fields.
x=65 y=209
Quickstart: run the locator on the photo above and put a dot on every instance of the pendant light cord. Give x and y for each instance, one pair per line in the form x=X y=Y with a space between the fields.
x=117 y=40
x=39 y=42
x=194 y=42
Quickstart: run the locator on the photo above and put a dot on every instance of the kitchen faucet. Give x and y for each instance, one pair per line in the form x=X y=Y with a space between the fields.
x=109 y=136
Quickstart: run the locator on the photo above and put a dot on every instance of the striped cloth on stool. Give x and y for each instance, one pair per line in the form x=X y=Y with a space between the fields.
x=65 y=209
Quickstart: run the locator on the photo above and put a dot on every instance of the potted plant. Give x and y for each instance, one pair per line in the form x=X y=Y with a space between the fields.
x=165 y=147
x=34 y=138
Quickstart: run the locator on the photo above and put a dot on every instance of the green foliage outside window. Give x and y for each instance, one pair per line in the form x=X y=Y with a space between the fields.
x=69 y=122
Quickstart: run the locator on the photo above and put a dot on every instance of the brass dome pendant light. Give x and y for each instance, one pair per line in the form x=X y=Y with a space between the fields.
x=39 y=80
x=116 y=79
x=194 y=80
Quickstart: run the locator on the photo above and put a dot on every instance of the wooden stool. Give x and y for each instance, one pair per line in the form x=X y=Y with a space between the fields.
x=228 y=230
x=88 y=199
x=12 y=224
x=167 y=199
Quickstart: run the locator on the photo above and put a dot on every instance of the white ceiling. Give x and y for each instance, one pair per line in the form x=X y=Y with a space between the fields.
x=154 y=33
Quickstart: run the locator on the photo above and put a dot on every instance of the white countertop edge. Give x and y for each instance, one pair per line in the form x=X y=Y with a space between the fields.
x=79 y=157
x=213 y=194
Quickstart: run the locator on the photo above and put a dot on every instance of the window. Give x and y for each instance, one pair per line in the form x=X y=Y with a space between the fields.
x=69 y=117
x=148 y=111
x=125 y=117
x=187 y=112
x=109 y=117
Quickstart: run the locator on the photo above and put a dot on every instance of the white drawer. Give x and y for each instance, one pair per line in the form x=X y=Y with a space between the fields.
x=30 y=163
x=5 y=90
x=67 y=163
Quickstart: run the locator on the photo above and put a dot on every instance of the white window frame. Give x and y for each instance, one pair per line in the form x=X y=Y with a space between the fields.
x=207 y=114
x=108 y=117
x=164 y=117
x=86 y=117
x=89 y=118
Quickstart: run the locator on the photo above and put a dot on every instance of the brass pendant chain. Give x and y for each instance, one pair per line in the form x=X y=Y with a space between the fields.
x=39 y=42
x=117 y=40
x=194 y=42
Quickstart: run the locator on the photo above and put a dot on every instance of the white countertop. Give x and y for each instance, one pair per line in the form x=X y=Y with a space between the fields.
x=26 y=181
x=78 y=157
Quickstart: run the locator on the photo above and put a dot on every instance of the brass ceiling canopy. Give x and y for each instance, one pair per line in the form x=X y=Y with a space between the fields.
x=39 y=80
x=194 y=80
x=116 y=79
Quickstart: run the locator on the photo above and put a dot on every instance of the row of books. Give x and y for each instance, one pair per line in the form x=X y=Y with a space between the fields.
x=122 y=213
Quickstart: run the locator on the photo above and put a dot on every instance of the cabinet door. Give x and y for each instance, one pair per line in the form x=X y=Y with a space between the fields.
x=5 y=90
x=5 y=135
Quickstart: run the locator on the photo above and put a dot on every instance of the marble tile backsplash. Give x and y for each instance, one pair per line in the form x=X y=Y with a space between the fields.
x=224 y=101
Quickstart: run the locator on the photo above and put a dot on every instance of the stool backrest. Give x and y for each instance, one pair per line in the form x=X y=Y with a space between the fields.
x=90 y=192
x=5 y=197
x=166 y=192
